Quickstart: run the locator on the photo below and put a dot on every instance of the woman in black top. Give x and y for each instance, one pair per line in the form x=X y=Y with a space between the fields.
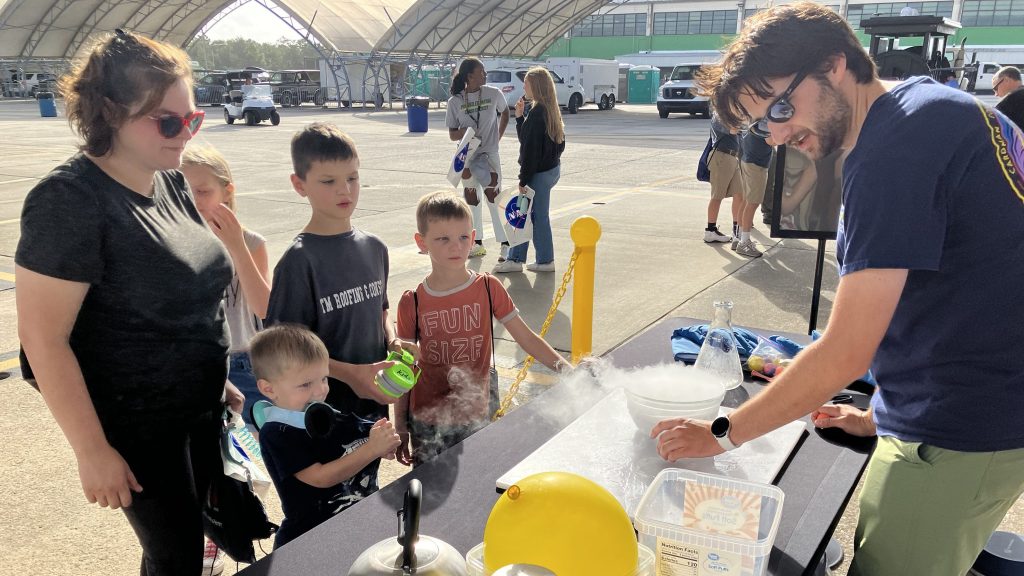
x=120 y=286
x=541 y=142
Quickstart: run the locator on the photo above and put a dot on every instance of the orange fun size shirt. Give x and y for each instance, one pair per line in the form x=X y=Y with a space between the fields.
x=455 y=348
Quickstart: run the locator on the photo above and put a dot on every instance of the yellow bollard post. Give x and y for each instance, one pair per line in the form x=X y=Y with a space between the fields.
x=585 y=232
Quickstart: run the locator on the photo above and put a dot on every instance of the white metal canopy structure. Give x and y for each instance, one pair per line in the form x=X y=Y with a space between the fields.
x=428 y=29
x=366 y=44
x=48 y=29
x=440 y=29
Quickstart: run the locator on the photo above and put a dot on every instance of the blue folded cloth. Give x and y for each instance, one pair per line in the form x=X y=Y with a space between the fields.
x=686 y=342
x=792 y=348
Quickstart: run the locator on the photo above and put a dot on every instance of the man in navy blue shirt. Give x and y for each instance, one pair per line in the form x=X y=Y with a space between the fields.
x=929 y=293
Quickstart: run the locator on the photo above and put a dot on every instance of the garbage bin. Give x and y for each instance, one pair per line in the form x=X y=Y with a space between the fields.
x=47 y=105
x=416 y=109
x=1002 y=556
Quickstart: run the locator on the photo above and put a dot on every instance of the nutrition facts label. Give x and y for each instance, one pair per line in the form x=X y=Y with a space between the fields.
x=677 y=559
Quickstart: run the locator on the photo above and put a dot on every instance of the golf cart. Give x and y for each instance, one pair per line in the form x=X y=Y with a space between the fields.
x=254 y=103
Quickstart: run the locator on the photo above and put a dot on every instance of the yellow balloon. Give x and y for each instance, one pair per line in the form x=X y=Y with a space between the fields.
x=563 y=522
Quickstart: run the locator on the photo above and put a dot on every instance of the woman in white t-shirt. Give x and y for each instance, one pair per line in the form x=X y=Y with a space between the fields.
x=482 y=108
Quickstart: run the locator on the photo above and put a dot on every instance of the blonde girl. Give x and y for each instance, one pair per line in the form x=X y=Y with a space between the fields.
x=541 y=143
x=246 y=297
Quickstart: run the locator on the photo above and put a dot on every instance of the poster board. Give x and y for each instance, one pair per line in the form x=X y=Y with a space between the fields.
x=806 y=194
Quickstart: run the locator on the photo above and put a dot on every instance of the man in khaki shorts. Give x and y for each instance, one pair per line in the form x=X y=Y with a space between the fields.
x=723 y=163
x=755 y=156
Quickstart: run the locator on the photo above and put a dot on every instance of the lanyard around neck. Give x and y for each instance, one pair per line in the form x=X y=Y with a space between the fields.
x=476 y=117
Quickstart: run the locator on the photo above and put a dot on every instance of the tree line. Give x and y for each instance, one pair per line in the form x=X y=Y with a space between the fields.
x=235 y=53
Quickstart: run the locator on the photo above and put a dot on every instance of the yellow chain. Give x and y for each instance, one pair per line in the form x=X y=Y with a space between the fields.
x=566 y=278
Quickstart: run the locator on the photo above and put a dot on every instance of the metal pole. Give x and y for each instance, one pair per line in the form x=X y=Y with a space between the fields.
x=816 y=293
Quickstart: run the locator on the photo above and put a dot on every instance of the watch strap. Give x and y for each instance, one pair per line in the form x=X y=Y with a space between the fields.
x=724 y=440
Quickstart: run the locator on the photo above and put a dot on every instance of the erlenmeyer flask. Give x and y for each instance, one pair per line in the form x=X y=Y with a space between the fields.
x=719 y=355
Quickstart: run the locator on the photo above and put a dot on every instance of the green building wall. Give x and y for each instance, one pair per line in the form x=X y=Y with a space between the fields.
x=609 y=47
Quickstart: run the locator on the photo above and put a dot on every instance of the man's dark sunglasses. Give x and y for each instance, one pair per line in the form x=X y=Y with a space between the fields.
x=170 y=125
x=780 y=110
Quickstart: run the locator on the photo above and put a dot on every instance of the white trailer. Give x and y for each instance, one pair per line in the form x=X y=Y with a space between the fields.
x=587 y=80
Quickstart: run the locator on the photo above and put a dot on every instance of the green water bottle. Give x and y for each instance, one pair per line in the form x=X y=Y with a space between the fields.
x=401 y=377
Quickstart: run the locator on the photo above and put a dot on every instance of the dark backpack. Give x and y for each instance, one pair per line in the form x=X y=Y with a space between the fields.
x=703 y=172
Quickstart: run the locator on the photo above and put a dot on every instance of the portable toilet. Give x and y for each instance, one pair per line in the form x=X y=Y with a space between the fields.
x=421 y=80
x=644 y=82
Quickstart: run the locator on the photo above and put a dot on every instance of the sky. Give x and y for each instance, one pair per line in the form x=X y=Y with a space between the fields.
x=254 y=22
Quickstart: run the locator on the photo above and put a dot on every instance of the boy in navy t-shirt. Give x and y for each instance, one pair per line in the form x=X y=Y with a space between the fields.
x=315 y=477
x=333 y=279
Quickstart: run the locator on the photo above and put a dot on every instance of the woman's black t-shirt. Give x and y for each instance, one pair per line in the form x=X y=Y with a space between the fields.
x=150 y=336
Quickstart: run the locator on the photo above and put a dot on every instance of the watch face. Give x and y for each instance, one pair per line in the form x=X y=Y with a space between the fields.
x=720 y=426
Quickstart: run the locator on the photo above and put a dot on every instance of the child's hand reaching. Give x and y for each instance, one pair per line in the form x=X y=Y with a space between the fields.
x=397 y=345
x=383 y=439
x=404 y=451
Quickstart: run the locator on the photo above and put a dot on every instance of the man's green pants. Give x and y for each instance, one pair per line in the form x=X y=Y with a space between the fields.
x=927 y=511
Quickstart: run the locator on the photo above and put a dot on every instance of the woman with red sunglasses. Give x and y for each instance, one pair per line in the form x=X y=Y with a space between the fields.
x=120 y=284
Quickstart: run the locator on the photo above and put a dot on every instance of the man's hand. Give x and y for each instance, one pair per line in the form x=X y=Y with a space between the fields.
x=849 y=419
x=106 y=478
x=685 y=438
x=363 y=383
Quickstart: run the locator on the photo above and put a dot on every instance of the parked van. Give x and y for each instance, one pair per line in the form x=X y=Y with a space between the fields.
x=983 y=81
x=28 y=83
x=211 y=88
x=570 y=95
x=678 y=94
x=293 y=87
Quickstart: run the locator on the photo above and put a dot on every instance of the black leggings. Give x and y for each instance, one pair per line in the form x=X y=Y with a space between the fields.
x=174 y=472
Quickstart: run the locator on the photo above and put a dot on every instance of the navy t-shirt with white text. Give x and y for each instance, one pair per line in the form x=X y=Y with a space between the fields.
x=935 y=185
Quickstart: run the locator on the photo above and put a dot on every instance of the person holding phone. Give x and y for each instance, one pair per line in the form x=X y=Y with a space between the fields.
x=541 y=143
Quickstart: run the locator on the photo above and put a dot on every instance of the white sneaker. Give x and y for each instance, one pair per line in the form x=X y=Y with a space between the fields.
x=213 y=560
x=504 y=252
x=536 y=267
x=508 y=266
x=477 y=251
x=735 y=242
x=715 y=235
x=748 y=249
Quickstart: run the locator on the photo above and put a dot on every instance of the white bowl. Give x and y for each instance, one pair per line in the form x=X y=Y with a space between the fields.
x=646 y=417
x=672 y=392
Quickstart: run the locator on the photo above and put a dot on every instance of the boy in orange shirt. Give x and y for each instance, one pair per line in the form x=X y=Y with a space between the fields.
x=449 y=316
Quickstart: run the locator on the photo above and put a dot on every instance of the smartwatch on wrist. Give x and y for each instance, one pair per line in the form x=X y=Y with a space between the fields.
x=720 y=430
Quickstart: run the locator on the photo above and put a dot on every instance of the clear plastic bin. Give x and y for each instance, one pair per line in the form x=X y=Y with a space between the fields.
x=644 y=564
x=746 y=516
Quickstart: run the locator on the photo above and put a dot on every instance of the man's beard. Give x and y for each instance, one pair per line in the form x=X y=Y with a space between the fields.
x=832 y=121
